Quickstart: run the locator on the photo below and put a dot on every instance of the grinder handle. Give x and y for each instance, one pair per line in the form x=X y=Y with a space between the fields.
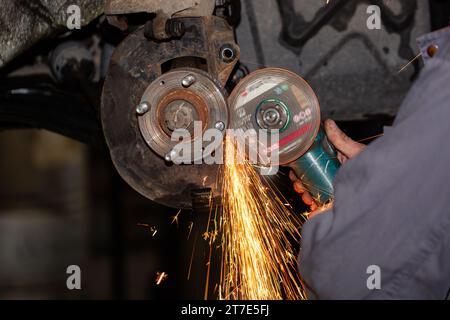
x=317 y=168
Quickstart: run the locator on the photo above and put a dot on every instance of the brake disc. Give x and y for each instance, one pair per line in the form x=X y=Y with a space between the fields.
x=144 y=71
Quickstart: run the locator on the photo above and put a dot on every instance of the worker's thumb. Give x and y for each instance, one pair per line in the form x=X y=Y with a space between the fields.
x=341 y=141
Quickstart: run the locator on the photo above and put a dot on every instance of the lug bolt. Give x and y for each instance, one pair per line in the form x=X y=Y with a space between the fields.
x=142 y=108
x=169 y=157
x=220 y=125
x=188 y=81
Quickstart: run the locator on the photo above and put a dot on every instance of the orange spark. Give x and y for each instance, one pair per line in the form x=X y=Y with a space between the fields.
x=160 y=277
x=412 y=60
x=175 y=218
x=152 y=229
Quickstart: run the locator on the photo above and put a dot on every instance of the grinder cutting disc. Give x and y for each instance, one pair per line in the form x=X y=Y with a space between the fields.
x=277 y=99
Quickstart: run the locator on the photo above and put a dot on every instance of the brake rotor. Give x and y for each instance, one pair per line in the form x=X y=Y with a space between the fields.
x=138 y=135
x=177 y=101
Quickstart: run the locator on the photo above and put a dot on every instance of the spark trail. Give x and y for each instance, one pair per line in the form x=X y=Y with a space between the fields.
x=258 y=233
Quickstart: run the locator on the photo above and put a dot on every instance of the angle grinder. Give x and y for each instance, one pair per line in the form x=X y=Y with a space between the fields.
x=281 y=102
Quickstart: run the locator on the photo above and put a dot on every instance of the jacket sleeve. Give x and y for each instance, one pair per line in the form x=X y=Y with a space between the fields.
x=392 y=206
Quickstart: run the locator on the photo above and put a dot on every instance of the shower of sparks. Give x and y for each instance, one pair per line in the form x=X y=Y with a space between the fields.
x=160 y=277
x=210 y=235
x=323 y=208
x=153 y=230
x=258 y=232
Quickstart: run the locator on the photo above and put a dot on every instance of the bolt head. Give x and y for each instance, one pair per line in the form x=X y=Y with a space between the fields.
x=176 y=28
x=170 y=156
x=143 y=108
x=188 y=81
x=220 y=126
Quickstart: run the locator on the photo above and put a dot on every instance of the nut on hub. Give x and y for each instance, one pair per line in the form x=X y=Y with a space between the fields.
x=272 y=114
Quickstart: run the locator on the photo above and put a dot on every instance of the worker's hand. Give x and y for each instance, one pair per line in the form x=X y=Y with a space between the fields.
x=346 y=149
x=301 y=190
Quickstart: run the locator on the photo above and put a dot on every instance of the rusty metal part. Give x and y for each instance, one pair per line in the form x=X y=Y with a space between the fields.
x=194 y=109
x=175 y=107
x=162 y=28
x=24 y=23
x=120 y=22
x=135 y=64
x=188 y=8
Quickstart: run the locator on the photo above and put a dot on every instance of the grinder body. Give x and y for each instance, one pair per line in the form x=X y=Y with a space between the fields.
x=317 y=168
